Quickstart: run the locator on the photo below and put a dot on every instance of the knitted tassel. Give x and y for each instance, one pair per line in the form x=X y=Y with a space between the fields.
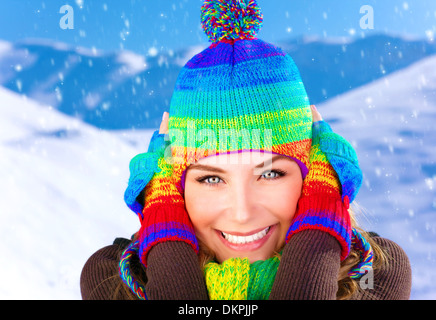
x=359 y=243
x=126 y=275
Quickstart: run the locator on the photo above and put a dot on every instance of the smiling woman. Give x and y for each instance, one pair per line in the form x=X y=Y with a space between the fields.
x=238 y=210
x=265 y=217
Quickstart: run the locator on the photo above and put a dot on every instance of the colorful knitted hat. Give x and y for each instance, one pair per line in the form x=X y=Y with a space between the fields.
x=239 y=94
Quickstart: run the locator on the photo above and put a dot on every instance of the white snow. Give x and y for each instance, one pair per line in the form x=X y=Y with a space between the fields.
x=61 y=196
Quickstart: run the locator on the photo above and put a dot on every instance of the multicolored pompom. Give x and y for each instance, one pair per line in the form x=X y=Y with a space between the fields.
x=231 y=19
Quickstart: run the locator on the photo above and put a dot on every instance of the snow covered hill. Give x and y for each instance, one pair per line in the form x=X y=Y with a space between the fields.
x=391 y=123
x=61 y=196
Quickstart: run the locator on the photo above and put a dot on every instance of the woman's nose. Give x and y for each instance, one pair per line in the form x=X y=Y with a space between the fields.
x=242 y=205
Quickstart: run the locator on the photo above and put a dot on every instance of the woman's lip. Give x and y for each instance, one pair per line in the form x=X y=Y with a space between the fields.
x=250 y=246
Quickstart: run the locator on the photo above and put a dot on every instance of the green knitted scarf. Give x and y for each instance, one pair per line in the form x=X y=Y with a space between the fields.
x=237 y=279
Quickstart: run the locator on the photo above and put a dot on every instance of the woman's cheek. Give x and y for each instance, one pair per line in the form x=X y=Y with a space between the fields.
x=203 y=207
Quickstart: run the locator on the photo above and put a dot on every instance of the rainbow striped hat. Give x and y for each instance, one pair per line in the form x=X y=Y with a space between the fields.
x=239 y=94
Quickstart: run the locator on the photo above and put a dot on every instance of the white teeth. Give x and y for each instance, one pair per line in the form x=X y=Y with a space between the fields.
x=241 y=240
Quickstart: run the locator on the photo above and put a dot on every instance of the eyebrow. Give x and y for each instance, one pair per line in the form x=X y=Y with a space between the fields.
x=204 y=167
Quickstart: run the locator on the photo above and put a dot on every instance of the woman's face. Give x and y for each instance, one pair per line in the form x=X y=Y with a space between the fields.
x=241 y=205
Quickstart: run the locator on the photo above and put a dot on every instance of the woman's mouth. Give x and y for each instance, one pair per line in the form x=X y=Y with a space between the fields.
x=245 y=239
x=246 y=242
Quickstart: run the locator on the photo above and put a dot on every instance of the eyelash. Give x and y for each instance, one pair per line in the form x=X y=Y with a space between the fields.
x=202 y=179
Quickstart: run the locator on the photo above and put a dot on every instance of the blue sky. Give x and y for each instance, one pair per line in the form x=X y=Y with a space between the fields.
x=138 y=25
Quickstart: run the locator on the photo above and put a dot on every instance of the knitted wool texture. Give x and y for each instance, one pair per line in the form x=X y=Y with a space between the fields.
x=332 y=183
x=237 y=279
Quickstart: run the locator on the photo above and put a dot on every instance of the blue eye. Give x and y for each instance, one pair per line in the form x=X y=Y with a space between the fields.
x=270 y=174
x=212 y=180
x=209 y=180
x=273 y=174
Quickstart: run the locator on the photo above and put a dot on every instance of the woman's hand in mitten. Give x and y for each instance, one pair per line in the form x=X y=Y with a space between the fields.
x=321 y=206
x=144 y=165
x=164 y=217
x=164 y=241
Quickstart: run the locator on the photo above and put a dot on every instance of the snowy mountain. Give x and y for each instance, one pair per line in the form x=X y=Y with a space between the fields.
x=63 y=179
x=334 y=66
x=122 y=90
x=390 y=122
